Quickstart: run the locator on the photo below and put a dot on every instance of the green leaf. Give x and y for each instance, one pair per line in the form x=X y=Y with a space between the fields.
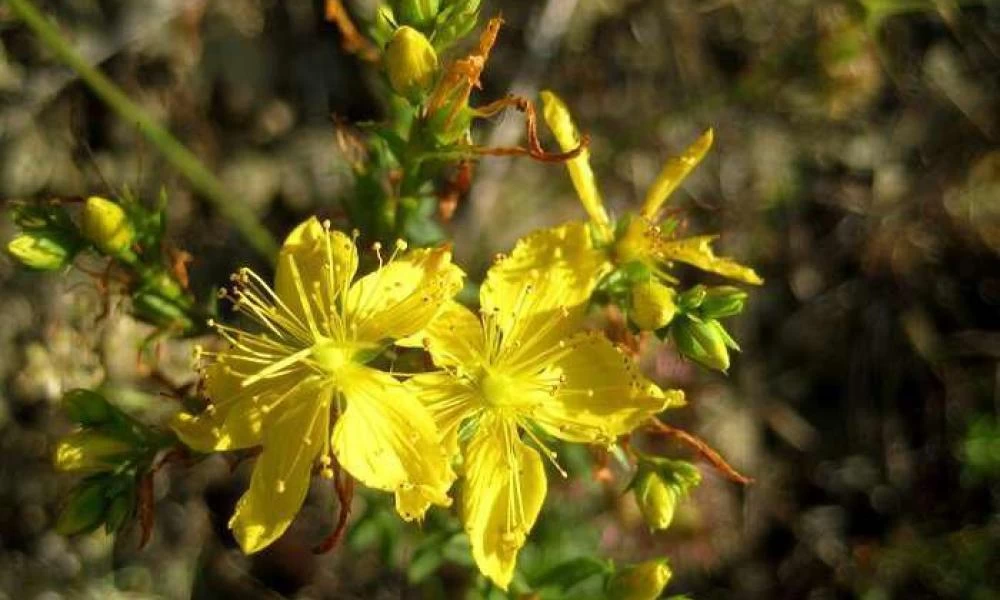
x=566 y=575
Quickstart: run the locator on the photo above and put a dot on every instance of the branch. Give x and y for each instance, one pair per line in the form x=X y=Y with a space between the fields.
x=702 y=448
x=173 y=151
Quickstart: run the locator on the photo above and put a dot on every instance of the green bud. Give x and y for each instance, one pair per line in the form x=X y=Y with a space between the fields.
x=87 y=408
x=690 y=300
x=154 y=308
x=84 y=510
x=705 y=342
x=410 y=63
x=723 y=301
x=653 y=305
x=91 y=451
x=42 y=249
x=644 y=581
x=382 y=26
x=659 y=485
x=656 y=500
x=105 y=224
x=455 y=21
x=418 y=13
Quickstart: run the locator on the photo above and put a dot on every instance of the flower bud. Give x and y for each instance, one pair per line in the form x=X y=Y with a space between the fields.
x=455 y=21
x=42 y=249
x=84 y=510
x=106 y=225
x=410 y=62
x=723 y=301
x=704 y=342
x=656 y=500
x=659 y=485
x=691 y=299
x=86 y=407
x=653 y=305
x=418 y=13
x=89 y=450
x=644 y=581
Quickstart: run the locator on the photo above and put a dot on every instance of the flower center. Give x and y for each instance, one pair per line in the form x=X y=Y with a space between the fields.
x=500 y=390
x=330 y=355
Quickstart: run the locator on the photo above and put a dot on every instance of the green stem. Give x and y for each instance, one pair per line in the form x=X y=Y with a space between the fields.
x=181 y=158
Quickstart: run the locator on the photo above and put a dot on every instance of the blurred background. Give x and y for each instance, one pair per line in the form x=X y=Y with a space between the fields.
x=856 y=165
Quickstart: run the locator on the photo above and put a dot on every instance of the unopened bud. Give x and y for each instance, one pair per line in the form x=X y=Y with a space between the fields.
x=705 y=342
x=653 y=305
x=87 y=408
x=84 y=510
x=723 y=301
x=42 y=249
x=89 y=451
x=659 y=485
x=644 y=581
x=656 y=500
x=410 y=62
x=106 y=225
x=691 y=299
x=418 y=13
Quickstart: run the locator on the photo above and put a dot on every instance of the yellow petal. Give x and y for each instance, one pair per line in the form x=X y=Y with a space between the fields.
x=568 y=249
x=387 y=440
x=697 y=251
x=283 y=470
x=449 y=400
x=602 y=394
x=557 y=117
x=453 y=338
x=534 y=309
x=402 y=297
x=673 y=173
x=314 y=260
x=235 y=418
x=503 y=492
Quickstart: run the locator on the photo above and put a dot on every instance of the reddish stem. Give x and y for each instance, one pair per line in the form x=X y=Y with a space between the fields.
x=703 y=449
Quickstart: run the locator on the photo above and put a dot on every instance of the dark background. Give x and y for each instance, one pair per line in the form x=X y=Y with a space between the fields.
x=856 y=166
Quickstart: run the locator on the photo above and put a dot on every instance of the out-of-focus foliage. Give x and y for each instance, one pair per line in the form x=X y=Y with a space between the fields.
x=855 y=163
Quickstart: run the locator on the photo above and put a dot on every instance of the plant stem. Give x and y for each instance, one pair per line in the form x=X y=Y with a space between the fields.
x=181 y=158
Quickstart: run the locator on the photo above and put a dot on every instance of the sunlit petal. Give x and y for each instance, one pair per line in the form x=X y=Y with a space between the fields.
x=235 y=418
x=403 y=296
x=314 y=260
x=282 y=472
x=502 y=494
x=453 y=338
x=602 y=394
x=698 y=251
x=558 y=119
x=387 y=440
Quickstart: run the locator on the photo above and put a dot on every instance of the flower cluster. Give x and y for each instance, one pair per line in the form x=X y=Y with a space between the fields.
x=510 y=380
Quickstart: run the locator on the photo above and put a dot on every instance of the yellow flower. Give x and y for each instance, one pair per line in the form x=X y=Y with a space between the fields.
x=285 y=387
x=598 y=247
x=517 y=374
